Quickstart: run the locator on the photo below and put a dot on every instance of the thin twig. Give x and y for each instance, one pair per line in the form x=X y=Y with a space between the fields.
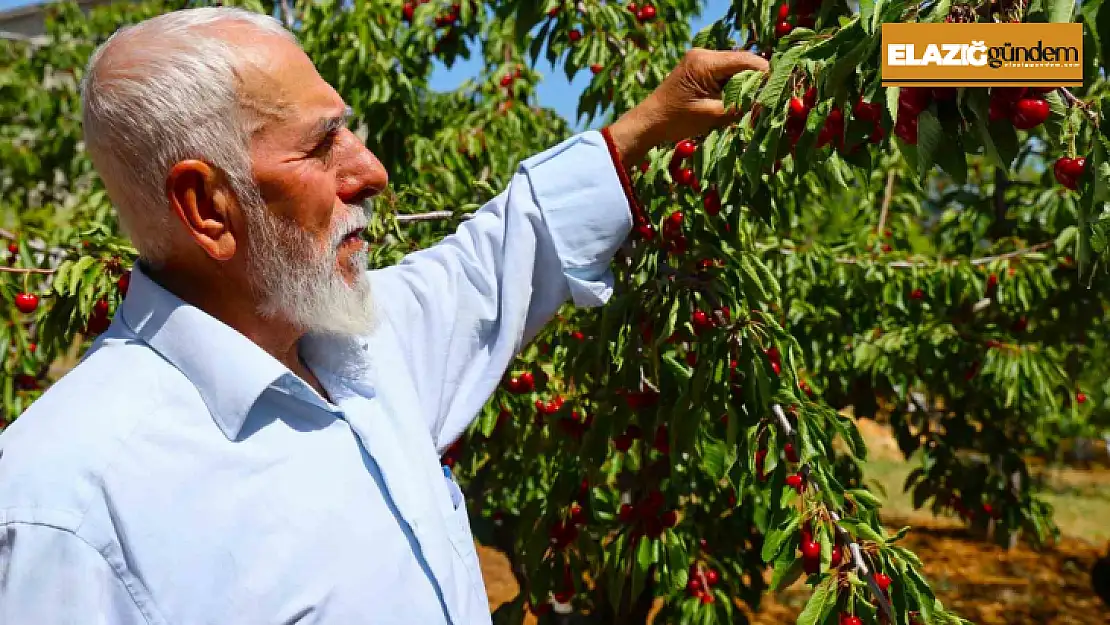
x=886 y=201
x=1074 y=101
x=25 y=270
x=907 y=264
x=429 y=216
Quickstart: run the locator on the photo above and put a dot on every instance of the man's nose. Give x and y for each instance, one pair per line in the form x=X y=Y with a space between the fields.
x=360 y=174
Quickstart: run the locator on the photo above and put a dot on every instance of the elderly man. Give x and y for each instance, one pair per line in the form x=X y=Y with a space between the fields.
x=255 y=439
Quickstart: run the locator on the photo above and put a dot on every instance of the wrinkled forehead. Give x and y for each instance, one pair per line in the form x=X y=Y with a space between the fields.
x=279 y=83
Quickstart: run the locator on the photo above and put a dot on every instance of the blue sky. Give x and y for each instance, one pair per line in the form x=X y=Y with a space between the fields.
x=554 y=91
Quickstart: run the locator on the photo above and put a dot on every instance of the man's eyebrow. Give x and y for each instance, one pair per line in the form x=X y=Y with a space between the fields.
x=327 y=125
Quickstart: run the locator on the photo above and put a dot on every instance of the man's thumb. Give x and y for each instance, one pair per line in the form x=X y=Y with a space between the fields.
x=724 y=64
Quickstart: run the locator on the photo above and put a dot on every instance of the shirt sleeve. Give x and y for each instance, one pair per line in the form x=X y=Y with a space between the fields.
x=48 y=575
x=461 y=309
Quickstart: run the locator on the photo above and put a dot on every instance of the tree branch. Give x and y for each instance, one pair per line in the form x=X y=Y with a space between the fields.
x=1074 y=101
x=25 y=270
x=429 y=216
x=886 y=201
x=908 y=264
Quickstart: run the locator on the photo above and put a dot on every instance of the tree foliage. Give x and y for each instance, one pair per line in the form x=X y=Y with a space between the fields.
x=912 y=253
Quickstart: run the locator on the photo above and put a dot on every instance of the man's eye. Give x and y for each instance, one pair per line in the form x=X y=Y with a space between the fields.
x=323 y=149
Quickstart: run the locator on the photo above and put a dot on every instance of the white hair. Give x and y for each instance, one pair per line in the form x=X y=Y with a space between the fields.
x=175 y=96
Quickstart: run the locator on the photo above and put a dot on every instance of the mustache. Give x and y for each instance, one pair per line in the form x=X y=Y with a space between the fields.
x=356 y=219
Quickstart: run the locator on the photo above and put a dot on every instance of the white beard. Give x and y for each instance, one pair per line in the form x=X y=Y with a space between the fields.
x=298 y=283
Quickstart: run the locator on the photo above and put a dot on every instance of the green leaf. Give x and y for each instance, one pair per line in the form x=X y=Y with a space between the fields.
x=930 y=141
x=717 y=459
x=677 y=559
x=788 y=568
x=777 y=537
x=773 y=94
x=820 y=603
x=1059 y=11
x=865 y=497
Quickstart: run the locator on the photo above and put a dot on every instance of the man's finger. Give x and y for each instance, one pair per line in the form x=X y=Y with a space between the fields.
x=724 y=64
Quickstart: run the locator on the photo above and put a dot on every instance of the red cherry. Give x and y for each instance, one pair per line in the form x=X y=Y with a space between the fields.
x=791 y=453
x=685 y=148
x=646 y=231
x=784 y=11
x=867 y=111
x=574 y=36
x=674 y=222
x=506 y=80
x=811 y=550
x=553 y=12
x=906 y=130
x=795 y=481
x=596 y=68
x=1081 y=397
x=654 y=501
x=783 y=29
x=701 y=321
x=407 y=11
x=528 y=381
x=772 y=354
x=760 y=458
x=622 y=443
x=706 y=597
x=992 y=281
x=911 y=101
x=627 y=513
x=685 y=177
x=647 y=13
x=712 y=577
x=13 y=248
x=836 y=557
x=917 y=294
x=26 y=302
x=883 y=580
x=564 y=596
x=1075 y=166
x=577 y=514
x=850 y=619
x=124 y=282
x=1029 y=113
x=798 y=108
x=712 y=201
x=693 y=586
x=632 y=7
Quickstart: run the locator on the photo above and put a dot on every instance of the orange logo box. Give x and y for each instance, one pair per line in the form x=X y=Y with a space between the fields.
x=982 y=55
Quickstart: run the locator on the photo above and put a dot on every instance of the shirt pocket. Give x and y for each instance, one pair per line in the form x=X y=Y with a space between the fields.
x=458 y=528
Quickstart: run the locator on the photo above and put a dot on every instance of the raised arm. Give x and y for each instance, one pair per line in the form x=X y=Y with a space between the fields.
x=461 y=309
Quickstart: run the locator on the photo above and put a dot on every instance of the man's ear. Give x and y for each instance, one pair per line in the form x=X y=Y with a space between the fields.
x=202 y=199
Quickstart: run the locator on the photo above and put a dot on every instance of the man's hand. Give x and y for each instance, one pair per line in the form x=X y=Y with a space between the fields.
x=687 y=104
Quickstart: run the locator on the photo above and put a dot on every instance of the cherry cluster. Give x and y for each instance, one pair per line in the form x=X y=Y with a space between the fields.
x=701 y=581
x=644 y=13
x=1025 y=107
x=647 y=516
x=804 y=15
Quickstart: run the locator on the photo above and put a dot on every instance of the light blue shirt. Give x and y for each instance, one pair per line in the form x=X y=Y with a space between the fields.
x=181 y=475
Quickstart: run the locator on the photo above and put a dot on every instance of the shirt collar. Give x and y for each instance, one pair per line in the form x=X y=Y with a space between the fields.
x=228 y=370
